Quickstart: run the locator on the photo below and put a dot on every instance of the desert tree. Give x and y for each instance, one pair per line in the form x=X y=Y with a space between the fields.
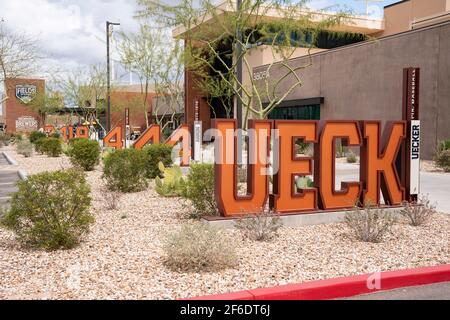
x=169 y=84
x=218 y=38
x=85 y=88
x=45 y=103
x=19 y=55
x=140 y=54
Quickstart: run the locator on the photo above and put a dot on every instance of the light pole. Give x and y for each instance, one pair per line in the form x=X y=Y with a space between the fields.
x=108 y=75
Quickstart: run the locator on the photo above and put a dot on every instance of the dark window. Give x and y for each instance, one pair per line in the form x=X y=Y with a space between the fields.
x=311 y=112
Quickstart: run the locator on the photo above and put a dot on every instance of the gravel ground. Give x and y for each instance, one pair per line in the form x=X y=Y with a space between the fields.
x=122 y=257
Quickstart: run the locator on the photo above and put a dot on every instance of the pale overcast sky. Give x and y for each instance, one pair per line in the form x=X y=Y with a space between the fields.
x=72 y=32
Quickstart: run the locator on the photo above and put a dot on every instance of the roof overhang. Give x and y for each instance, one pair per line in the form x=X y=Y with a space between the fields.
x=356 y=24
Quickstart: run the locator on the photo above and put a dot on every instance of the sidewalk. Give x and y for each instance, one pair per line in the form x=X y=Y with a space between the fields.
x=8 y=179
x=436 y=185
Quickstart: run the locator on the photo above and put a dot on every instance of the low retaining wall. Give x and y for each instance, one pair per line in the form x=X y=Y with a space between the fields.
x=294 y=220
x=343 y=287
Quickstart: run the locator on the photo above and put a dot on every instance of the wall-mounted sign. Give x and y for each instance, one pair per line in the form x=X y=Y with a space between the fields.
x=411 y=113
x=25 y=93
x=262 y=75
x=26 y=124
x=198 y=140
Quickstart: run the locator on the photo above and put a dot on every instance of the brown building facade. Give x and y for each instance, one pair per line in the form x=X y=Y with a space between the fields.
x=17 y=116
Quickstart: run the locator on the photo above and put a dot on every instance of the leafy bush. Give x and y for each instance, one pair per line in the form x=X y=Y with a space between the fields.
x=173 y=183
x=39 y=146
x=444 y=145
x=51 y=210
x=51 y=147
x=75 y=140
x=85 y=154
x=304 y=182
x=157 y=153
x=56 y=135
x=125 y=170
x=37 y=135
x=16 y=137
x=25 y=148
x=420 y=212
x=370 y=224
x=351 y=157
x=200 y=190
x=5 y=139
x=443 y=160
x=261 y=227
x=301 y=147
x=198 y=247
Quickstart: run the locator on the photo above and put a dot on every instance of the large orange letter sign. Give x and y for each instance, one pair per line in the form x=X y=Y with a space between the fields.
x=325 y=165
x=153 y=133
x=378 y=165
x=49 y=129
x=114 y=138
x=288 y=199
x=228 y=200
x=182 y=134
x=67 y=133
x=82 y=132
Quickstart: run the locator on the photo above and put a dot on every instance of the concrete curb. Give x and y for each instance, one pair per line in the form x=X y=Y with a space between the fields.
x=22 y=174
x=343 y=287
x=10 y=160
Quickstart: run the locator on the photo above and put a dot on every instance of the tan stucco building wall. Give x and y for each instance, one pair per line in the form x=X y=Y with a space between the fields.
x=364 y=81
x=401 y=16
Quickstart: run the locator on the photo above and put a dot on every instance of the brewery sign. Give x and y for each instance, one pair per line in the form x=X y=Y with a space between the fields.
x=25 y=93
x=26 y=124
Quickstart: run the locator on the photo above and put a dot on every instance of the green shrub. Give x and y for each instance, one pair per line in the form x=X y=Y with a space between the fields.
x=75 y=140
x=261 y=227
x=304 y=182
x=157 y=153
x=301 y=147
x=16 y=137
x=198 y=247
x=25 y=148
x=51 y=210
x=200 y=190
x=85 y=154
x=56 y=135
x=443 y=160
x=125 y=170
x=444 y=145
x=5 y=139
x=351 y=157
x=51 y=147
x=37 y=135
x=39 y=146
x=370 y=224
x=173 y=183
x=420 y=212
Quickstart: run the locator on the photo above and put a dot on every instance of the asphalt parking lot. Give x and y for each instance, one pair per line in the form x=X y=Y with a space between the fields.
x=439 y=291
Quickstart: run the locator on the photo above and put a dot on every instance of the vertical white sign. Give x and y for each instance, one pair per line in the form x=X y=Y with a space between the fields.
x=198 y=141
x=415 y=158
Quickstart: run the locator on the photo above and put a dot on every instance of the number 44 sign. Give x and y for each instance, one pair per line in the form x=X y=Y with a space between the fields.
x=114 y=139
